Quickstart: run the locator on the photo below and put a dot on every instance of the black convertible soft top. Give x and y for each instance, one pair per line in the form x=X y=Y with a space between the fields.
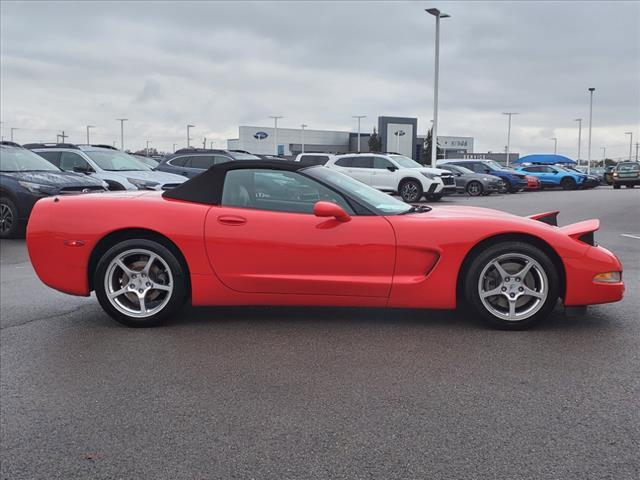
x=207 y=187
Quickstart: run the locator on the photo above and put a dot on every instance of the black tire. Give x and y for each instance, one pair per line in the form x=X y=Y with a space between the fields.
x=616 y=186
x=176 y=297
x=508 y=187
x=10 y=225
x=434 y=197
x=540 y=308
x=630 y=185
x=474 y=188
x=568 y=183
x=410 y=190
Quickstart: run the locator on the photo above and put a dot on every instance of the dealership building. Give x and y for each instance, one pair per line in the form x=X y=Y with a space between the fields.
x=397 y=134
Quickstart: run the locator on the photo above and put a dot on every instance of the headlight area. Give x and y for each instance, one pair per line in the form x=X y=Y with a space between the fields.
x=430 y=176
x=608 y=277
x=144 y=184
x=37 y=188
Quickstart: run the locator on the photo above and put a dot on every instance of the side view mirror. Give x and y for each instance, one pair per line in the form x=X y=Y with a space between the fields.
x=486 y=170
x=329 y=209
x=392 y=168
x=85 y=170
x=458 y=174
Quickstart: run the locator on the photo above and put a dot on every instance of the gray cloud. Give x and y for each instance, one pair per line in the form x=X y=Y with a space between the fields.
x=221 y=64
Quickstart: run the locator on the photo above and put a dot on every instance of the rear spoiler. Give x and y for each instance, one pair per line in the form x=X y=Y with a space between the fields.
x=550 y=218
x=582 y=231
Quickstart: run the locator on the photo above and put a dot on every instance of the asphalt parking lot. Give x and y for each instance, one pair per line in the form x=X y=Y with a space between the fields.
x=296 y=393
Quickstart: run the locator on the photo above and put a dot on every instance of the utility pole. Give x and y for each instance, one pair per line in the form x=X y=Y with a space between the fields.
x=122 y=120
x=508 y=114
x=275 y=131
x=591 y=90
x=579 y=120
x=359 y=117
x=630 y=144
x=63 y=136
x=88 y=127
x=555 y=145
x=147 y=149
x=303 y=126
x=434 y=132
x=188 y=136
x=204 y=143
x=637 y=145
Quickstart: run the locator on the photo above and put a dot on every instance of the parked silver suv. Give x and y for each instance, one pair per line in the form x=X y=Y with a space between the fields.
x=120 y=170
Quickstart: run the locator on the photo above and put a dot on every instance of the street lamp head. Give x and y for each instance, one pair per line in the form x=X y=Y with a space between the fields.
x=304 y=125
x=628 y=133
x=436 y=13
x=592 y=89
x=577 y=119
x=190 y=126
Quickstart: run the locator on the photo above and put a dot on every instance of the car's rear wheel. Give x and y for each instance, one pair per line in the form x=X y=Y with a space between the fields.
x=568 y=183
x=474 y=188
x=140 y=283
x=9 y=225
x=513 y=285
x=410 y=191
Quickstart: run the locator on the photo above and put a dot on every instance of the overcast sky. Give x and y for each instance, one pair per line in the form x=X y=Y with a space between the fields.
x=218 y=65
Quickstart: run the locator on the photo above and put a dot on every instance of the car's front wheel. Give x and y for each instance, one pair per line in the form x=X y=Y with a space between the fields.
x=410 y=190
x=140 y=283
x=9 y=224
x=513 y=285
x=474 y=188
x=568 y=184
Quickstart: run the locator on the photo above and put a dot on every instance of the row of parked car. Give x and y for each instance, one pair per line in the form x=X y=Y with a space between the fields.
x=32 y=171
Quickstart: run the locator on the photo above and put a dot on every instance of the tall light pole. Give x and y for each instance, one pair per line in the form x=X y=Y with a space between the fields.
x=211 y=145
x=637 y=146
x=189 y=126
x=174 y=148
x=146 y=150
x=555 y=145
x=509 y=114
x=275 y=131
x=303 y=126
x=434 y=133
x=630 y=143
x=88 y=127
x=122 y=120
x=13 y=129
x=579 y=120
x=591 y=90
x=359 y=117
x=604 y=154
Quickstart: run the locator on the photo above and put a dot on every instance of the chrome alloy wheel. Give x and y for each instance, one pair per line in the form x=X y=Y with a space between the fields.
x=513 y=286
x=409 y=192
x=474 y=188
x=138 y=283
x=6 y=218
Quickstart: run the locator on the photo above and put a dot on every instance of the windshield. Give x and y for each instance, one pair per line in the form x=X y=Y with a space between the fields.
x=13 y=159
x=116 y=161
x=405 y=162
x=629 y=167
x=370 y=197
x=456 y=169
x=243 y=156
x=495 y=165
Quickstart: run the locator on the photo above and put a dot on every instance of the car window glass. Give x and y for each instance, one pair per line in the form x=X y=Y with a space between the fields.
x=344 y=162
x=277 y=191
x=362 y=162
x=202 y=162
x=53 y=157
x=178 y=161
x=381 y=163
x=309 y=160
x=221 y=159
x=69 y=160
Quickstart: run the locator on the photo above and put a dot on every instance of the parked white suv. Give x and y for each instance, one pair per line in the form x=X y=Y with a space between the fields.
x=395 y=173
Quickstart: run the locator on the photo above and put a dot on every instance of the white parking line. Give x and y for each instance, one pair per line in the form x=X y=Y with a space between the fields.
x=637 y=237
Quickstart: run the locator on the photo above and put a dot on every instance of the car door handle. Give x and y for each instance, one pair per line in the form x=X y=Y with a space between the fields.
x=232 y=220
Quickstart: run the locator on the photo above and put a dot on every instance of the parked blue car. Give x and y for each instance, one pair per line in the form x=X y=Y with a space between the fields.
x=25 y=178
x=514 y=181
x=556 y=176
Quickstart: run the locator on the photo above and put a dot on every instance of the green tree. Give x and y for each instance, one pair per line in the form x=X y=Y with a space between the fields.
x=425 y=158
x=375 y=144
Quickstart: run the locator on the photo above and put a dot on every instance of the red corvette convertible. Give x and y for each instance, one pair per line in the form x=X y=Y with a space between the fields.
x=278 y=233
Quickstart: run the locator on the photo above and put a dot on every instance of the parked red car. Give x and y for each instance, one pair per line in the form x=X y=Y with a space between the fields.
x=532 y=183
x=281 y=233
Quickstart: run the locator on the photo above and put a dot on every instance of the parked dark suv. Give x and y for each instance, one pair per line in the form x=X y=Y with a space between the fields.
x=627 y=174
x=193 y=161
x=25 y=178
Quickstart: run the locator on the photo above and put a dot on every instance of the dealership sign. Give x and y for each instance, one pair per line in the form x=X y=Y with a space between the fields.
x=260 y=135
